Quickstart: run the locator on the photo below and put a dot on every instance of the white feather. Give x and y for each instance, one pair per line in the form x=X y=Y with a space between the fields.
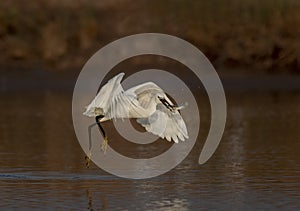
x=139 y=102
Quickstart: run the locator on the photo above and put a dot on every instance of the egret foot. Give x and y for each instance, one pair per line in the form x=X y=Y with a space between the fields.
x=104 y=144
x=88 y=159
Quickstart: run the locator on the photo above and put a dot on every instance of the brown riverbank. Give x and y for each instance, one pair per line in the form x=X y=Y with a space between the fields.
x=62 y=35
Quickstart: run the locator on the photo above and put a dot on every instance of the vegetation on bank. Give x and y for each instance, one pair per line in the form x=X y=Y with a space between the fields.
x=259 y=35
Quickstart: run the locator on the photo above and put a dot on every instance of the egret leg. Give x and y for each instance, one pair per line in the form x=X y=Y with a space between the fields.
x=104 y=143
x=105 y=138
x=88 y=159
x=89 y=155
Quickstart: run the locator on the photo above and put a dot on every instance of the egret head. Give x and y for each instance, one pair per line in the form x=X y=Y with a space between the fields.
x=159 y=98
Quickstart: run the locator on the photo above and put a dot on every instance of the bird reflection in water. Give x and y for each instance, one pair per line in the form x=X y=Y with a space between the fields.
x=91 y=205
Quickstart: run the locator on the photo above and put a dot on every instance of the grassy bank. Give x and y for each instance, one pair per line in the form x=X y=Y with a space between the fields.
x=259 y=35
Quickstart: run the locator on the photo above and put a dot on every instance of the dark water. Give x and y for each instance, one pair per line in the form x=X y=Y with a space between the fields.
x=257 y=165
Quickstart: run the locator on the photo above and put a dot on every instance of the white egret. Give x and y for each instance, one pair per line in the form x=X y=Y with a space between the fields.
x=146 y=102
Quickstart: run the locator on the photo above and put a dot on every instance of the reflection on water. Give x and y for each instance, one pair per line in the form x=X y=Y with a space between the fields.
x=257 y=165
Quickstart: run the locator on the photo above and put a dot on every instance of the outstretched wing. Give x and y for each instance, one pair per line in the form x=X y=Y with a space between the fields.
x=113 y=102
x=139 y=102
x=166 y=124
x=107 y=99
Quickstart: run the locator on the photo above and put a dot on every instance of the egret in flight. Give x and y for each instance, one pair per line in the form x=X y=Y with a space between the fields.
x=146 y=102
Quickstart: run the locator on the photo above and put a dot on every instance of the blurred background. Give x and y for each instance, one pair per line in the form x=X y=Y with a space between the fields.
x=253 y=45
x=61 y=35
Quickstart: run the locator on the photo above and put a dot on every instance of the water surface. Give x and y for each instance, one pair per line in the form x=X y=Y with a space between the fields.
x=257 y=165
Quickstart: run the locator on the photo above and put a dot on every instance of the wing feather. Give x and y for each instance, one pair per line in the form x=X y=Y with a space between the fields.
x=165 y=124
x=106 y=96
x=145 y=93
x=113 y=102
x=139 y=102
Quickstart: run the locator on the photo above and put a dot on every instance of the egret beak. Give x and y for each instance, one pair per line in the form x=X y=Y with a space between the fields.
x=177 y=108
